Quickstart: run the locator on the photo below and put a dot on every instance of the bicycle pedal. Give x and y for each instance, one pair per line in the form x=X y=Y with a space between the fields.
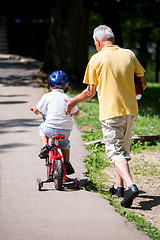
x=42 y=157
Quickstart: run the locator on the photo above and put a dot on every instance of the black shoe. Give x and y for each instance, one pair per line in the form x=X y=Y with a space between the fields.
x=119 y=191
x=69 y=168
x=44 y=152
x=129 y=194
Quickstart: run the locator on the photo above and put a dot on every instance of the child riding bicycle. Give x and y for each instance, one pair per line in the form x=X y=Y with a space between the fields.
x=57 y=122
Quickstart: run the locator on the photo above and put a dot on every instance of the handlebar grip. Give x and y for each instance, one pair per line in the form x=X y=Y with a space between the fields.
x=31 y=109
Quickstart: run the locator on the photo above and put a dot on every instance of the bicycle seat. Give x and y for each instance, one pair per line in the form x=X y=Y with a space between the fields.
x=57 y=137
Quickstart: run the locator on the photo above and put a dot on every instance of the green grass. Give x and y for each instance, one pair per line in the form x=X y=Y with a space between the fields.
x=95 y=163
x=148 y=123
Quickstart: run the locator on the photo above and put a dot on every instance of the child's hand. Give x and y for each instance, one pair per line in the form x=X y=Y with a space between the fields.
x=35 y=110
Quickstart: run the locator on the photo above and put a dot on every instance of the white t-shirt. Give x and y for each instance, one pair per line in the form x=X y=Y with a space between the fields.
x=55 y=106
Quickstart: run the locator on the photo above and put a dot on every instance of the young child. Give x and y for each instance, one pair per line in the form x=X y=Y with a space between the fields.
x=57 y=122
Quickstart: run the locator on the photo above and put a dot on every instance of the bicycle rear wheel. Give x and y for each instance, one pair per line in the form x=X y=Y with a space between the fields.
x=58 y=174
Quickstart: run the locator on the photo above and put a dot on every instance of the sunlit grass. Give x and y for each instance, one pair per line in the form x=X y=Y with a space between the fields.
x=148 y=121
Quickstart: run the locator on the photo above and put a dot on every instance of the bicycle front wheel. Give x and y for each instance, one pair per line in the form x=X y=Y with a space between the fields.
x=58 y=174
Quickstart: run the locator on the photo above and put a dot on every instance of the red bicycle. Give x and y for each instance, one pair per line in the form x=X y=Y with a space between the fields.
x=56 y=169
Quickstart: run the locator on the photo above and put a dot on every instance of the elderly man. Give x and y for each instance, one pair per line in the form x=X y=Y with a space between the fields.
x=111 y=72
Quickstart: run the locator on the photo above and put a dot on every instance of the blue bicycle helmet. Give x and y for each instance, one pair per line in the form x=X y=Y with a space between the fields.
x=59 y=79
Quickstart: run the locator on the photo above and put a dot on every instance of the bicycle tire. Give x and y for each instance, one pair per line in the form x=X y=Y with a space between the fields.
x=39 y=184
x=58 y=174
x=48 y=171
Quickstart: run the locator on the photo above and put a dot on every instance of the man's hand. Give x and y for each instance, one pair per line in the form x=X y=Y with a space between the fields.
x=70 y=105
x=144 y=83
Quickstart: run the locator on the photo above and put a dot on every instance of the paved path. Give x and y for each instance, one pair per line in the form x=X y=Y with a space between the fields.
x=27 y=214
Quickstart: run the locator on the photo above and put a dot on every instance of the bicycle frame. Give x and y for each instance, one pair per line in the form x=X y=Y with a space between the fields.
x=55 y=155
x=56 y=169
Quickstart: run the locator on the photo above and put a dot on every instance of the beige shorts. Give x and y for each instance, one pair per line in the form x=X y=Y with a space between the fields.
x=117 y=133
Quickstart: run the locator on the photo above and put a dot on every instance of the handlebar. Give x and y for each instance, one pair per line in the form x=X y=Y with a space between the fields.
x=43 y=115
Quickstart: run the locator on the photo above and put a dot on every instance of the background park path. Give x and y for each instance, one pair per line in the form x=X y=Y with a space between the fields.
x=27 y=214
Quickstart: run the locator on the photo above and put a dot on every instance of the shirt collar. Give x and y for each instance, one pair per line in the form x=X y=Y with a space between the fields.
x=110 y=47
x=59 y=90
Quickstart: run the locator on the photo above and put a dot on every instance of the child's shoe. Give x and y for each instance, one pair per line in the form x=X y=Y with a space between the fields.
x=69 y=168
x=44 y=152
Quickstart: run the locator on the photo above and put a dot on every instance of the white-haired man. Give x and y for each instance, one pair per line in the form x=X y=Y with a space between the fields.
x=111 y=71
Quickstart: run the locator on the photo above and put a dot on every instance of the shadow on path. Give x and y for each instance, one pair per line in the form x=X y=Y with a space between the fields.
x=15 y=72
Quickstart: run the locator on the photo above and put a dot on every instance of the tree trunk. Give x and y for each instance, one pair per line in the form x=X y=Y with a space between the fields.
x=68 y=39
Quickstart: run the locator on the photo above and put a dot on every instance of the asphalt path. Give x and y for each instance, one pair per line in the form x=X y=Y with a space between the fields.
x=27 y=214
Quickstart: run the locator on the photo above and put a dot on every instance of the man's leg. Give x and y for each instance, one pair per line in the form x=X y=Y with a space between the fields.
x=131 y=190
x=122 y=168
x=119 y=180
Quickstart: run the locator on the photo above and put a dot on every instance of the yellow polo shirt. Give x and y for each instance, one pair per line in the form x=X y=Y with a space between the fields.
x=112 y=70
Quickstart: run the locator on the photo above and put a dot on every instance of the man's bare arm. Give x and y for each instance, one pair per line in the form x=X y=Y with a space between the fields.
x=88 y=93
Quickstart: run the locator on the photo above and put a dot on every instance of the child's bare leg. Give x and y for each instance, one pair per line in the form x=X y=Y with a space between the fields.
x=69 y=168
x=44 y=140
x=65 y=153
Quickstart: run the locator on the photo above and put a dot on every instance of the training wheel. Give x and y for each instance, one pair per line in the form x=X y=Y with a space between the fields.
x=77 y=183
x=39 y=184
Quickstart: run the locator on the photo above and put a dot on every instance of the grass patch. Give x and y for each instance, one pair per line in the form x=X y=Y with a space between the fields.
x=95 y=163
x=147 y=123
x=140 y=146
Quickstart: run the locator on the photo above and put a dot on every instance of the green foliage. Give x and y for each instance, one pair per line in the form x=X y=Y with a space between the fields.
x=141 y=32
x=95 y=163
x=89 y=114
x=139 y=146
x=146 y=125
x=92 y=135
x=150 y=102
x=141 y=223
x=145 y=168
x=148 y=121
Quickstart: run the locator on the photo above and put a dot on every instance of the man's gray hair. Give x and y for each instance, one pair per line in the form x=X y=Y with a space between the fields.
x=103 y=33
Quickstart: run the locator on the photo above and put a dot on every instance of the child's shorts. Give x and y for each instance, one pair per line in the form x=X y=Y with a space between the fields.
x=117 y=133
x=49 y=132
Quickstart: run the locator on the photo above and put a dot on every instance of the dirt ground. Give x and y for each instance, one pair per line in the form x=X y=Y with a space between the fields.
x=145 y=169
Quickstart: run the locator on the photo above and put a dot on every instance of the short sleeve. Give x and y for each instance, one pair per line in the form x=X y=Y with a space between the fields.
x=139 y=70
x=42 y=104
x=90 y=75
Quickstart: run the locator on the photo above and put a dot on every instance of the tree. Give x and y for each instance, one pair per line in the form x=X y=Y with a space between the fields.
x=67 y=46
x=110 y=16
x=140 y=27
